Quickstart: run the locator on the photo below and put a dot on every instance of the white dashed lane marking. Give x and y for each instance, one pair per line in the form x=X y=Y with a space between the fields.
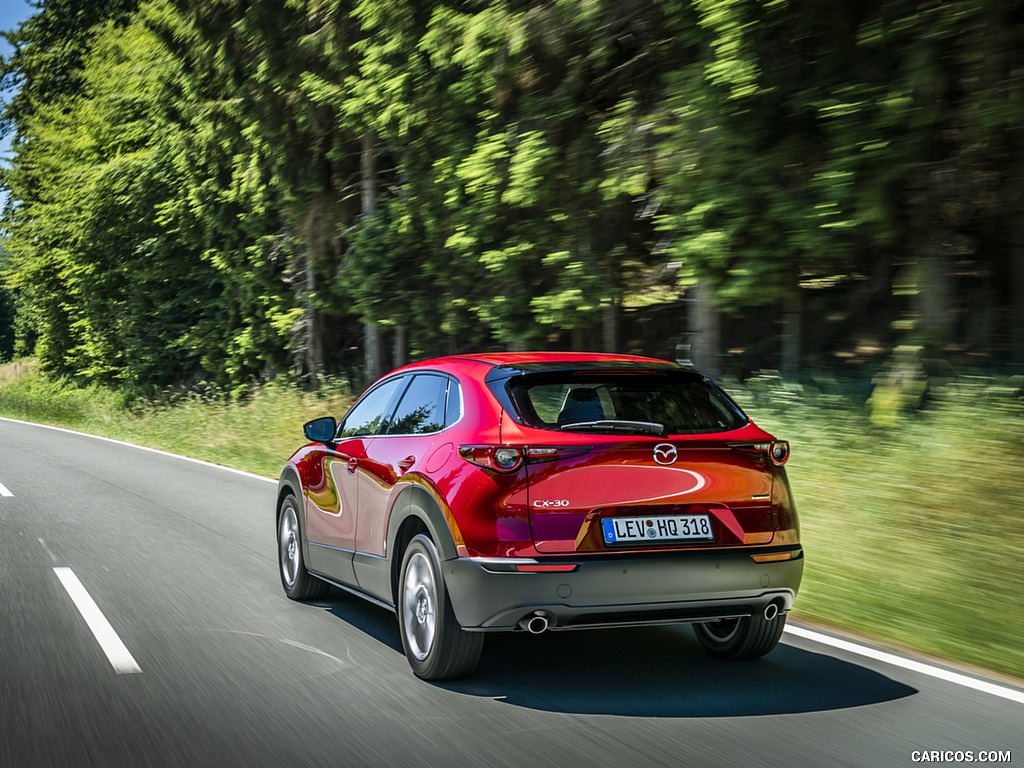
x=4 y=491
x=117 y=652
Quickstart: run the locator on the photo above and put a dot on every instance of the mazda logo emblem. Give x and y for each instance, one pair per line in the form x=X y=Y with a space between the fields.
x=665 y=453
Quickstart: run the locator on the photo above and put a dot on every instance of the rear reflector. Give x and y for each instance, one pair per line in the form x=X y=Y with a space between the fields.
x=552 y=568
x=775 y=557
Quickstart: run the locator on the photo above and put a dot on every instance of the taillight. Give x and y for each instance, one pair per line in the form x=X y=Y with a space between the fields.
x=777 y=450
x=508 y=458
x=500 y=458
x=780 y=452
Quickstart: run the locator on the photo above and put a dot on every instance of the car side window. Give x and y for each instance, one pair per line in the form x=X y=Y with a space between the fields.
x=422 y=408
x=453 y=409
x=369 y=416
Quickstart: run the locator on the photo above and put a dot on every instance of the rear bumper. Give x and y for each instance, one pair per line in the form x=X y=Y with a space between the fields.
x=488 y=594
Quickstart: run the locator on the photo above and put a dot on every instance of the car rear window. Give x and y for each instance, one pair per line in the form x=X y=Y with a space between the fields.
x=674 y=402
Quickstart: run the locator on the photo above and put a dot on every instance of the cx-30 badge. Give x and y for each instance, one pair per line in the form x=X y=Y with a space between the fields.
x=665 y=453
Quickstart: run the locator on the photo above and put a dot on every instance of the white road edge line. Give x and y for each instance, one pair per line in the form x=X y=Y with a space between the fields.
x=144 y=448
x=817 y=637
x=4 y=491
x=914 y=666
x=117 y=653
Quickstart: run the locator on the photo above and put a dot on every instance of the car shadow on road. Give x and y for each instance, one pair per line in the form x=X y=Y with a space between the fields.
x=645 y=672
x=379 y=623
x=664 y=672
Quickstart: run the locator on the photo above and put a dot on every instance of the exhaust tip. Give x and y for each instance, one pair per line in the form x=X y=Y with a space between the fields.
x=535 y=623
x=771 y=611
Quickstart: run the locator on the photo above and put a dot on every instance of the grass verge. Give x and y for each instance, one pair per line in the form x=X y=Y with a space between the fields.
x=913 y=534
x=256 y=435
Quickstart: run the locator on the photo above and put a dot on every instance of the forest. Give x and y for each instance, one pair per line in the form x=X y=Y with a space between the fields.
x=225 y=192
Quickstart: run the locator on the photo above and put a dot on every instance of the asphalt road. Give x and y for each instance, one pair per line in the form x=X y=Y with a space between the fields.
x=180 y=558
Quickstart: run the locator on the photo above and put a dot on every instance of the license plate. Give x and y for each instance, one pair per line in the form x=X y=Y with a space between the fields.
x=622 y=530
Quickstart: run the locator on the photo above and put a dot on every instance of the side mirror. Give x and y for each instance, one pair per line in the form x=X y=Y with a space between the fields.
x=320 y=430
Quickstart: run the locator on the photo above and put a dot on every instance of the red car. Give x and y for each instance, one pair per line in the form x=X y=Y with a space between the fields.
x=544 y=491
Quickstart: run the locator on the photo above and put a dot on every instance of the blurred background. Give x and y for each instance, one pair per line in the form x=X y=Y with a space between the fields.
x=228 y=192
x=818 y=202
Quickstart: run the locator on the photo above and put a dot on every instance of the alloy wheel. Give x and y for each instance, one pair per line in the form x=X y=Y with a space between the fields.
x=419 y=603
x=289 y=546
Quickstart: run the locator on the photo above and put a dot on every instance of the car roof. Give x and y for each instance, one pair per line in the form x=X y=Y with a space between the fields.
x=526 y=361
x=495 y=366
x=540 y=360
x=516 y=359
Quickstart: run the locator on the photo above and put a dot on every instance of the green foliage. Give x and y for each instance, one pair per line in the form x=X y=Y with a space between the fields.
x=85 y=256
x=50 y=48
x=225 y=192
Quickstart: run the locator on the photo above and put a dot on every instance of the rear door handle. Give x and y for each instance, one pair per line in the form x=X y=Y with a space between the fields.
x=405 y=463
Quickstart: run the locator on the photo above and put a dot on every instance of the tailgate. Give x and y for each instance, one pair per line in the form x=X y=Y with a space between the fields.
x=650 y=485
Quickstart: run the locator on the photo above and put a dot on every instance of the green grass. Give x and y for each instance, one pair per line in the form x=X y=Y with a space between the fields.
x=256 y=435
x=914 y=535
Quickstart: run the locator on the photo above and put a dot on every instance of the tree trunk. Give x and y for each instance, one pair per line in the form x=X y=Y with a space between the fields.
x=704 y=323
x=1013 y=199
x=980 y=320
x=372 y=341
x=610 y=326
x=1016 y=314
x=314 y=244
x=400 y=346
x=791 y=316
x=314 y=353
x=372 y=346
x=576 y=339
x=933 y=300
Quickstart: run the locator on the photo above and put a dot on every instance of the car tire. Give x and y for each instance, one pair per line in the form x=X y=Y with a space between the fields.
x=436 y=646
x=298 y=583
x=750 y=637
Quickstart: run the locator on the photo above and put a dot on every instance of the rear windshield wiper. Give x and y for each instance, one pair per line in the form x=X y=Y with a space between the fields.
x=615 y=425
